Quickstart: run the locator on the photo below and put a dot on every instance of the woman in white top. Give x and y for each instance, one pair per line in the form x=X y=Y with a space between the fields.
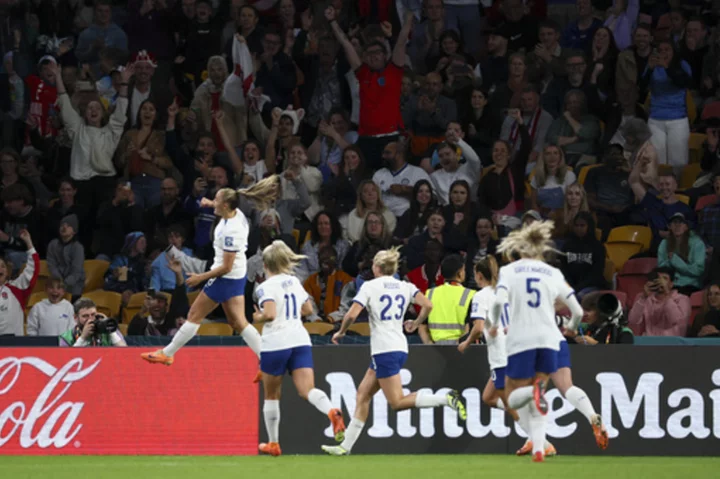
x=387 y=300
x=286 y=345
x=225 y=281
x=552 y=177
x=368 y=199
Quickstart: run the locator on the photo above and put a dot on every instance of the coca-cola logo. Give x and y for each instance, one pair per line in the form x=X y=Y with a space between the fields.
x=48 y=421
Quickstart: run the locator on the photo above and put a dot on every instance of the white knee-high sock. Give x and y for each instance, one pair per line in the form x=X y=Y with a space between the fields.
x=520 y=397
x=423 y=400
x=320 y=400
x=524 y=420
x=271 y=412
x=352 y=433
x=252 y=338
x=579 y=399
x=500 y=404
x=186 y=332
x=537 y=429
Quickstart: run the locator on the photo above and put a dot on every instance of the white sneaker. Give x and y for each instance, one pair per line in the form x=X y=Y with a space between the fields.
x=335 y=450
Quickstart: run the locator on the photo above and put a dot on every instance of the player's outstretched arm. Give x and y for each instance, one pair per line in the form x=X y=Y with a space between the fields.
x=425 y=308
x=347 y=321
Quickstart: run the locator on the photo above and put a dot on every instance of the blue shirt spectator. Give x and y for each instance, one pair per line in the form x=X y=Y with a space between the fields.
x=163 y=278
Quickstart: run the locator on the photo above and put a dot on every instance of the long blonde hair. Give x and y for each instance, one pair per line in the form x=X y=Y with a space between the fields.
x=360 y=206
x=531 y=241
x=278 y=258
x=541 y=170
x=263 y=194
x=584 y=206
x=388 y=260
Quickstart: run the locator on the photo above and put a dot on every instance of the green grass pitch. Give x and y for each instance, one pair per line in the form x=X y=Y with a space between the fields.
x=365 y=467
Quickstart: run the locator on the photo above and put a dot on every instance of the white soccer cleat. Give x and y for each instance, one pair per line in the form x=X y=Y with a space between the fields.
x=335 y=450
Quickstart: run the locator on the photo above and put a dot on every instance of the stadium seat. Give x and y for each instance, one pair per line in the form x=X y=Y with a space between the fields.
x=711 y=110
x=107 y=302
x=619 y=253
x=696 y=303
x=44 y=271
x=620 y=295
x=133 y=307
x=582 y=175
x=363 y=329
x=641 y=235
x=689 y=175
x=705 y=201
x=95 y=270
x=632 y=277
x=215 y=329
x=695 y=145
x=319 y=329
x=609 y=273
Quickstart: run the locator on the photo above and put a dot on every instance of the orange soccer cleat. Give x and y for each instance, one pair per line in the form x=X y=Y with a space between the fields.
x=539 y=396
x=158 y=357
x=258 y=377
x=525 y=449
x=336 y=418
x=270 y=448
x=601 y=435
x=538 y=457
x=550 y=450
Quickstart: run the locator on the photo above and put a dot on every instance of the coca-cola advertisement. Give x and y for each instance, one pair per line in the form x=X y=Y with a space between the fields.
x=108 y=401
x=655 y=400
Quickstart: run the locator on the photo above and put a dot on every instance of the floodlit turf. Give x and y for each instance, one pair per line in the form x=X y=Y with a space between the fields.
x=365 y=467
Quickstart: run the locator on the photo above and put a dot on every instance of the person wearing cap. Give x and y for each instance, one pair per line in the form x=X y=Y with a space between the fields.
x=127 y=270
x=493 y=70
x=66 y=256
x=102 y=33
x=683 y=251
x=160 y=311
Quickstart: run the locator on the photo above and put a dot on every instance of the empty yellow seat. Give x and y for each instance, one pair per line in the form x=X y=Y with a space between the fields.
x=95 y=270
x=107 y=302
x=631 y=234
x=619 y=252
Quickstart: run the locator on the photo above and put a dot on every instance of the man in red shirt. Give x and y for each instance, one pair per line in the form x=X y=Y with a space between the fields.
x=380 y=87
x=43 y=96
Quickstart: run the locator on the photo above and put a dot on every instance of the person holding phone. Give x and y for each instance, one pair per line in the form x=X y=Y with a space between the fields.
x=660 y=310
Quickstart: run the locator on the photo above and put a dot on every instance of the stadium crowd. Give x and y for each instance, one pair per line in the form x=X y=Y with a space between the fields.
x=436 y=125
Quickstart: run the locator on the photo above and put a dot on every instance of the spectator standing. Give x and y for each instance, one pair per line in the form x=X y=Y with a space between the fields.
x=380 y=88
x=660 y=310
x=425 y=40
x=94 y=141
x=621 y=21
x=669 y=77
x=579 y=33
x=148 y=27
x=101 y=34
x=276 y=75
x=684 y=252
x=203 y=41
x=464 y=17
x=14 y=293
x=53 y=315
x=143 y=86
x=66 y=257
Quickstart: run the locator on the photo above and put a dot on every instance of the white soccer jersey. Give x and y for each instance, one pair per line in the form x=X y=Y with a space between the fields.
x=408 y=175
x=530 y=288
x=386 y=299
x=286 y=330
x=480 y=307
x=232 y=235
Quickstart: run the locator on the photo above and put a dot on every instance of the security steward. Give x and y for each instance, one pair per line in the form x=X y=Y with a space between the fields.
x=451 y=302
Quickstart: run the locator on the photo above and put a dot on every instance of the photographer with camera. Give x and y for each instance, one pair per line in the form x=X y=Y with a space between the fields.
x=605 y=321
x=660 y=310
x=91 y=328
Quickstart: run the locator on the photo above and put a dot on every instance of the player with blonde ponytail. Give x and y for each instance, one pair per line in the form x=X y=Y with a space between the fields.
x=285 y=343
x=524 y=306
x=387 y=300
x=226 y=279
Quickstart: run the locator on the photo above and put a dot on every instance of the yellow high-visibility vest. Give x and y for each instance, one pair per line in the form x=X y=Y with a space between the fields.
x=450 y=308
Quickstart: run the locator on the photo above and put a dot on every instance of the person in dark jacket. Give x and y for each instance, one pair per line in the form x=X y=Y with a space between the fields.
x=414 y=220
x=376 y=234
x=340 y=193
x=115 y=219
x=127 y=271
x=583 y=263
x=414 y=251
x=480 y=245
